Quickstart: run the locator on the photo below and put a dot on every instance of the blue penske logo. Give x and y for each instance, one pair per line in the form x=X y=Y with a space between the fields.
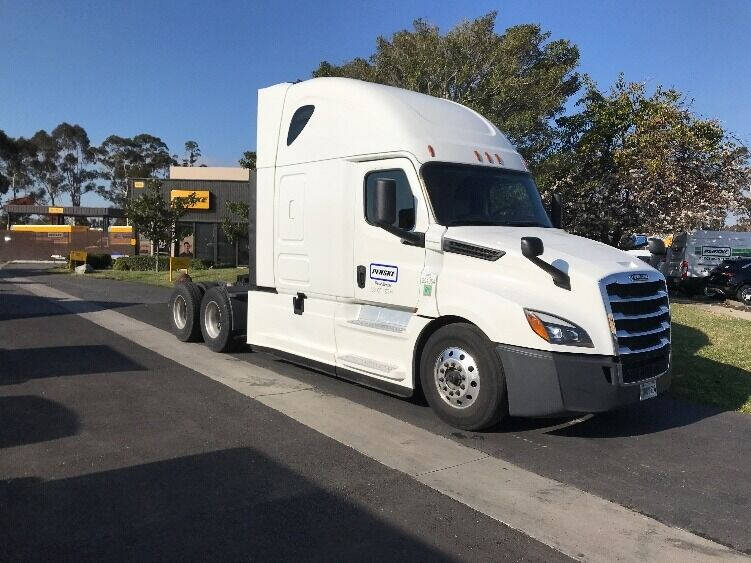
x=384 y=272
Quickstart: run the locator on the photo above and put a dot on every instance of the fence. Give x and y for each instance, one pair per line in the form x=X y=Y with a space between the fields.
x=19 y=245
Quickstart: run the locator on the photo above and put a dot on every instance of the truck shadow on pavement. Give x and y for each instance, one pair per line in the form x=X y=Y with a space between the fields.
x=16 y=306
x=28 y=419
x=24 y=364
x=228 y=505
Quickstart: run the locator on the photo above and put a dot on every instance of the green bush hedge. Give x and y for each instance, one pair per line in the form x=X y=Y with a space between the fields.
x=99 y=261
x=143 y=263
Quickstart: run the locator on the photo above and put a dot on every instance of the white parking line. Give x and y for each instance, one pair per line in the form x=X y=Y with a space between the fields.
x=579 y=524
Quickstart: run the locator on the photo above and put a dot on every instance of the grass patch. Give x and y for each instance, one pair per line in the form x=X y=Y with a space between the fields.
x=162 y=278
x=711 y=358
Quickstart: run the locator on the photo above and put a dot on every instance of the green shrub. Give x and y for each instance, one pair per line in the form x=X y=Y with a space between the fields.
x=197 y=264
x=99 y=261
x=144 y=263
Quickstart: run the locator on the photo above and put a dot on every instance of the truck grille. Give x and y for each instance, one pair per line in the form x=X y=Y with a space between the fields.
x=642 y=322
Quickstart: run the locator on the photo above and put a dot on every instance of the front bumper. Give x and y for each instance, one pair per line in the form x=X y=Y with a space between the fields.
x=542 y=384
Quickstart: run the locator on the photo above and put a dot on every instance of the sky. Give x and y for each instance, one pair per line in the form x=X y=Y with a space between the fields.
x=190 y=70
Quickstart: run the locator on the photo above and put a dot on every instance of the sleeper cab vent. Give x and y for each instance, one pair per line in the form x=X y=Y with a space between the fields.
x=456 y=247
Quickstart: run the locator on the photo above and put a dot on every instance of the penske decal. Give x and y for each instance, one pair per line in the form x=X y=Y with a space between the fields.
x=384 y=272
x=722 y=251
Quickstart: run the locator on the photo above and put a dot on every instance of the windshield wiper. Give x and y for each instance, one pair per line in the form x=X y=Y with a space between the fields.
x=473 y=222
x=524 y=224
x=480 y=222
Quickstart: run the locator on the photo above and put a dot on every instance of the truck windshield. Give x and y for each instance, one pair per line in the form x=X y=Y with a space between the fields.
x=479 y=195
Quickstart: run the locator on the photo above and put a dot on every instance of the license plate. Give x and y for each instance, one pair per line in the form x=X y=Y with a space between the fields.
x=647 y=390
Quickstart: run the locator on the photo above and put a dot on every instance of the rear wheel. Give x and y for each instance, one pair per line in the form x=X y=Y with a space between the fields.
x=462 y=377
x=744 y=295
x=184 y=305
x=216 y=320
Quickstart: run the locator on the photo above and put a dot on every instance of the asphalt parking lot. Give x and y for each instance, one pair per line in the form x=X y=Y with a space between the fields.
x=111 y=450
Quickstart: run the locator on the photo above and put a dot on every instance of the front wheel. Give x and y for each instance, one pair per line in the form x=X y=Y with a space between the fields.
x=462 y=377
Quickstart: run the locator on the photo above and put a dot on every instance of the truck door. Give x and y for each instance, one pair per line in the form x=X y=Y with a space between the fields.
x=388 y=270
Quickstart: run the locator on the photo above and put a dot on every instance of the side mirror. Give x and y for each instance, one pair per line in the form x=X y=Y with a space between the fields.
x=656 y=246
x=532 y=247
x=385 y=201
x=556 y=210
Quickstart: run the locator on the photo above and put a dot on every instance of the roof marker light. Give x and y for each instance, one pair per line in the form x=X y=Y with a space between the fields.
x=490 y=160
x=479 y=158
x=431 y=151
x=498 y=158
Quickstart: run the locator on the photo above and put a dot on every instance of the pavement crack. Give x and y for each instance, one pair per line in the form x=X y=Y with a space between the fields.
x=451 y=466
x=283 y=392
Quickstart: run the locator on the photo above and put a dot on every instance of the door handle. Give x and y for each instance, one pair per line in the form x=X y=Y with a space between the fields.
x=361 y=277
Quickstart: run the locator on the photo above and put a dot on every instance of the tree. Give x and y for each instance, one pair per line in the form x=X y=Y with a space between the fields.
x=631 y=162
x=235 y=223
x=44 y=167
x=192 y=153
x=121 y=158
x=248 y=160
x=15 y=162
x=75 y=158
x=519 y=80
x=155 y=217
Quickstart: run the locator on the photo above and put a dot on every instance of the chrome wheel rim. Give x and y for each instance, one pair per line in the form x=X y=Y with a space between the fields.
x=212 y=319
x=457 y=378
x=746 y=297
x=180 y=312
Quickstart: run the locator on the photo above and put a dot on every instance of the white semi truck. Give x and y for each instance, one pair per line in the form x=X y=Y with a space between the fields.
x=398 y=240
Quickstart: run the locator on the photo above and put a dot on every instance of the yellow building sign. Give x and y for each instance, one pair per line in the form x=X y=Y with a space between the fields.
x=55 y=210
x=203 y=197
x=139 y=184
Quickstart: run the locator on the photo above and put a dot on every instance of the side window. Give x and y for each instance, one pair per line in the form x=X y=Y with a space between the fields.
x=298 y=122
x=405 y=201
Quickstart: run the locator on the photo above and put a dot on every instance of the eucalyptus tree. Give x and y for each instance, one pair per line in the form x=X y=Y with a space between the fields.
x=75 y=159
x=123 y=158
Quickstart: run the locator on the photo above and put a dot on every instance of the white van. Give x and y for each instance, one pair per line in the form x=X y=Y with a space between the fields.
x=398 y=240
x=692 y=255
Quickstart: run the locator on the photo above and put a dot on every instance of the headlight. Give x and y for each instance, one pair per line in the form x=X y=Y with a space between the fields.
x=557 y=330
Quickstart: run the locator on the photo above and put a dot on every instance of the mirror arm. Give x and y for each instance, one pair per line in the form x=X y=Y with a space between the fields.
x=560 y=278
x=408 y=237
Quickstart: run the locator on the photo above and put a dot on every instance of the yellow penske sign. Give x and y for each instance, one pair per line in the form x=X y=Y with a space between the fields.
x=203 y=197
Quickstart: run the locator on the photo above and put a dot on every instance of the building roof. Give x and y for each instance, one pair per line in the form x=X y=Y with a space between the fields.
x=66 y=211
x=234 y=173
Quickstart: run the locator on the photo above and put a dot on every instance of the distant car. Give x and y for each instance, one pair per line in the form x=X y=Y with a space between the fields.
x=732 y=278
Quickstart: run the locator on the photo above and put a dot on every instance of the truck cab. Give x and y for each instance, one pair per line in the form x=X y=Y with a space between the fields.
x=398 y=240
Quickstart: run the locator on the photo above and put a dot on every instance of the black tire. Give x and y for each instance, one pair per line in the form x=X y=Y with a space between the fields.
x=216 y=320
x=205 y=286
x=184 y=306
x=744 y=295
x=481 y=402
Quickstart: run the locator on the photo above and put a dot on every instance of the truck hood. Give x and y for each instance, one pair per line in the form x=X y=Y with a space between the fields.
x=577 y=256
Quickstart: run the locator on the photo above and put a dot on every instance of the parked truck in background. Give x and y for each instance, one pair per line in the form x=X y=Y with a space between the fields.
x=399 y=241
x=693 y=255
